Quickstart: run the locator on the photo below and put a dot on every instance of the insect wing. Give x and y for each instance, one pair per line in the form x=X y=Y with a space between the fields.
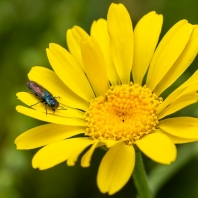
x=37 y=90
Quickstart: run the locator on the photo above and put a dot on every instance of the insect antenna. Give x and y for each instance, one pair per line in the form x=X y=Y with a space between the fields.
x=62 y=108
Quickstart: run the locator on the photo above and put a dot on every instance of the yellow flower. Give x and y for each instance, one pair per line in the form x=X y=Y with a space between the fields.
x=100 y=82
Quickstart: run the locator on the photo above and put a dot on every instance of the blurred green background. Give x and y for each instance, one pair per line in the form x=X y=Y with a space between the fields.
x=26 y=29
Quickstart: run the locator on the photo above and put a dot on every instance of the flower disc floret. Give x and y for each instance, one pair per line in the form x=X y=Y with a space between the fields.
x=127 y=112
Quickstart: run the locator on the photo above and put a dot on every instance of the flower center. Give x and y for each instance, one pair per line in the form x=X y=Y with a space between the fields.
x=128 y=113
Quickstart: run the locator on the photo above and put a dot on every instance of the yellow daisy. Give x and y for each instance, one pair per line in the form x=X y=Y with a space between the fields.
x=100 y=82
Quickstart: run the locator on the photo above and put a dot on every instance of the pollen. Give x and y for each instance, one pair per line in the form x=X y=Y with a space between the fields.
x=126 y=113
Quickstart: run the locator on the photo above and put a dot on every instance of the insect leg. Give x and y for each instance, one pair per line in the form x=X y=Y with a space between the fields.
x=46 y=108
x=35 y=104
x=57 y=97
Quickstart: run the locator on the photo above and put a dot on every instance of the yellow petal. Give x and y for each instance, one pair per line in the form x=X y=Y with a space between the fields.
x=53 y=118
x=86 y=158
x=121 y=40
x=116 y=168
x=100 y=33
x=184 y=127
x=188 y=87
x=74 y=37
x=146 y=35
x=178 y=104
x=94 y=65
x=178 y=140
x=158 y=147
x=168 y=51
x=182 y=63
x=46 y=134
x=81 y=146
x=69 y=71
x=49 y=80
x=110 y=143
x=57 y=152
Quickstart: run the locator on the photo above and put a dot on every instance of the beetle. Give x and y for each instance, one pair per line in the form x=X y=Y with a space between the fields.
x=43 y=95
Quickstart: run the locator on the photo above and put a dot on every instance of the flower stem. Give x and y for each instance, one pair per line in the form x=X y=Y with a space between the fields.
x=140 y=178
